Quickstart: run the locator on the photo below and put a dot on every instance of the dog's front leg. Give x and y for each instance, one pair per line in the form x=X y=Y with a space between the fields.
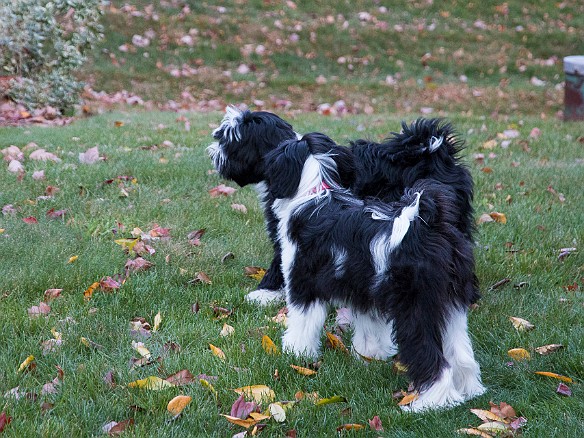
x=271 y=287
x=302 y=337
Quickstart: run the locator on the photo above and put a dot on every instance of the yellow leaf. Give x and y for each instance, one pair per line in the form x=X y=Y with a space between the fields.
x=255 y=272
x=491 y=144
x=519 y=354
x=151 y=382
x=277 y=412
x=258 y=392
x=521 y=324
x=253 y=419
x=210 y=387
x=141 y=349
x=227 y=330
x=493 y=427
x=72 y=259
x=350 y=427
x=2 y=230
x=26 y=363
x=177 y=404
x=555 y=376
x=328 y=401
x=487 y=415
x=336 y=342
x=399 y=367
x=475 y=432
x=269 y=346
x=118 y=123
x=217 y=352
x=303 y=371
x=409 y=398
x=127 y=243
x=498 y=217
x=157 y=321
x=57 y=335
x=89 y=292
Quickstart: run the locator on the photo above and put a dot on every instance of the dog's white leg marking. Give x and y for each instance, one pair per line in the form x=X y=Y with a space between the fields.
x=441 y=394
x=263 y=297
x=373 y=336
x=302 y=337
x=457 y=349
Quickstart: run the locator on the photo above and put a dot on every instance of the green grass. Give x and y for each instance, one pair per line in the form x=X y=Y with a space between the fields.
x=174 y=193
x=425 y=46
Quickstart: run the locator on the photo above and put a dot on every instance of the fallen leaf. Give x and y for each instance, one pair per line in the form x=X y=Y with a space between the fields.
x=242 y=409
x=554 y=376
x=136 y=265
x=90 y=156
x=484 y=218
x=487 y=415
x=201 y=277
x=333 y=399
x=127 y=244
x=350 y=427
x=157 y=322
x=220 y=190
x=253 y=419
x=114 y=428
x=41 y=309
x=493 y=427
x=141 y=349
x=277 y=412
x=51 y=294
x=258 y=392
x=152 y=383
x=194 y=237
x=302 y=370
x=89 y=291
x=563 y=389
x=180 y=378
x=72 y=259
x=498 y=217
x=474 y=432
x=4 y=421
x=90 y=344
x=335 y=343
x=178 y=404
x=269 y=346
x=409 y=398
x=500 y=283
x=255 y=272
x=227 y=330
x=26 y=364
x=207 y=384
x=503 y=410
x=56 y=214
x=375 y=424
x=217 y=352
x=519 y=354
x=516 y=424
x=521 y=324
x=544 y=350
x=30 y=220
x=42 y=155
x=240 y=208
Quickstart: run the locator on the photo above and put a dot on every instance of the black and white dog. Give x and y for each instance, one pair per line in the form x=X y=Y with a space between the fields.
x=403 y=267
x=243 y=140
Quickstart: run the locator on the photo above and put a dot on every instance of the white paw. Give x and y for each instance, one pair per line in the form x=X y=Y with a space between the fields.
x=428 y=401
x=263 y=297
x=473 y=391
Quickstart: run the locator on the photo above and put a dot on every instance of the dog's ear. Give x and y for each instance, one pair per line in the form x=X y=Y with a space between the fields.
x=284 y=167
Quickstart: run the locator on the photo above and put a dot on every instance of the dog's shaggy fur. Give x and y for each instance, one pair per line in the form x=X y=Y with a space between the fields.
x=403 y=267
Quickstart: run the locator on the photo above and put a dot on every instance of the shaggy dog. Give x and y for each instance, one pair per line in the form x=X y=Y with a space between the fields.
x=403 y=267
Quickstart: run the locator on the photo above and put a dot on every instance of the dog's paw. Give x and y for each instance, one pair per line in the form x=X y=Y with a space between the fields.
x=264 y=297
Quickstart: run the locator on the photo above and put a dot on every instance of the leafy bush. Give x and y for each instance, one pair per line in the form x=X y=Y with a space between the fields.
x=42 y=43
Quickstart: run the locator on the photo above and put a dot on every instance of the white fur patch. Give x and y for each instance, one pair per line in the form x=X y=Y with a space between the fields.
x=339 y=259
x=458 y=352
x=373 y=336
x=401 y=224
x=442 y=394
x=230 y=124
x=264 y=297
x=435 y=143
x=217 y=156
x=302 y=337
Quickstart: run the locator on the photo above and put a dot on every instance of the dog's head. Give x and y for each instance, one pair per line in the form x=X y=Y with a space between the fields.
x=242 y=141
x=308 y=167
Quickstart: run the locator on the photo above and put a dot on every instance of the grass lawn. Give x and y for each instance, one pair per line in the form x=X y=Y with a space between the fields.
x=535 y=180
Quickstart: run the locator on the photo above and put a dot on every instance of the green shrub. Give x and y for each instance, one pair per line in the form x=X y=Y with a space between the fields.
x=42 y=43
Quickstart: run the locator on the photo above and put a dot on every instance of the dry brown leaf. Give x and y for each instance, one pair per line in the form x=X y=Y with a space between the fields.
x=258 y=392
x=217 y=352
x=336 y=343
x=544 y=350
x=474 y=432
x=498 y=217
x=182 y=377
x=302 y=370
x=253 y=419
x=487 y=415
x=255 y=272
x=521 y=324
x=352 y=426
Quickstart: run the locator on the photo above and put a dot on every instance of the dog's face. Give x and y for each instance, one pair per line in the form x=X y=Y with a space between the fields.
x=242 y=142
x=312 y=160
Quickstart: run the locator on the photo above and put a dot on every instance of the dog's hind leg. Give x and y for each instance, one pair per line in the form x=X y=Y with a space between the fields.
x=305 y=323
x=458 y=351
x=373 y=336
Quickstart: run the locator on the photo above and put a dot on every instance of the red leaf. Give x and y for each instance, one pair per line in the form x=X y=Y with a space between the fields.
x=194 y=237
x=221 y=189
x=375 y=424
x=30 y=220
x=182 y=377
x=242 y=409
x=4 y=420
x=564 y=389
x=56 y=214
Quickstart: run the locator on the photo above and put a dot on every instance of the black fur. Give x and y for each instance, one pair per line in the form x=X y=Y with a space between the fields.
x=428 y=275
